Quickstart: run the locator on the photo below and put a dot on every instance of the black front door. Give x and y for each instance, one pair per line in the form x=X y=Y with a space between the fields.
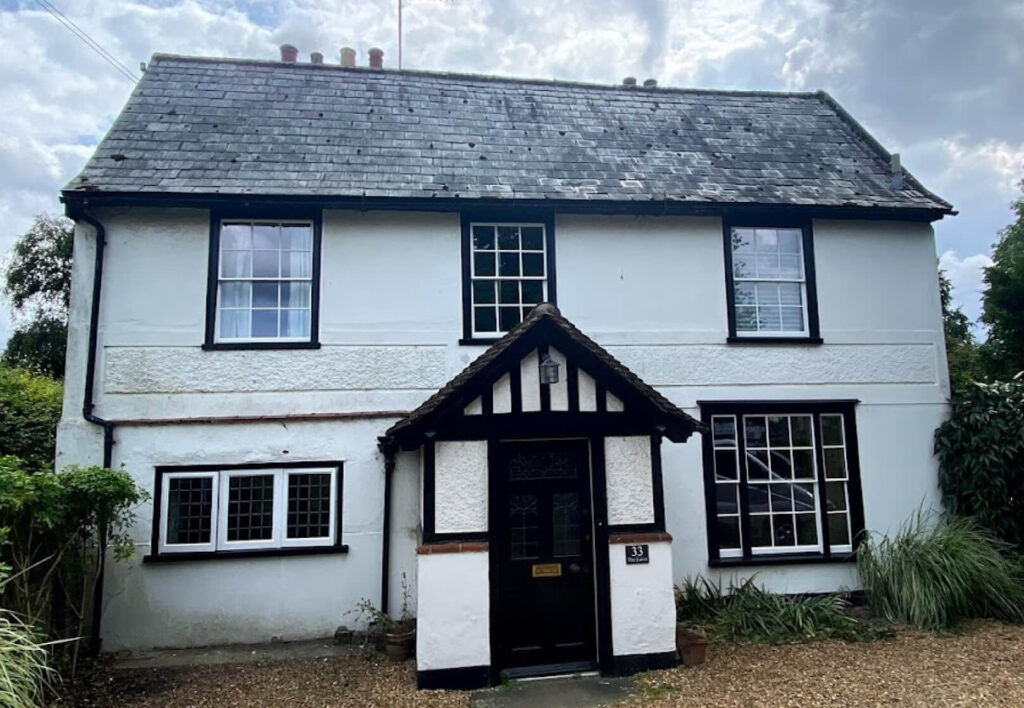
x=544 y=554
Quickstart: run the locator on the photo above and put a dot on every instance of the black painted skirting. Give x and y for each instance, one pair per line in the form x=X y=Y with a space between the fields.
x=463 y=678
x=627 y=664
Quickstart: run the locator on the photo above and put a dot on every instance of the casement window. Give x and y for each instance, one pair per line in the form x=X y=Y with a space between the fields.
x=264 y=283
x=781 y=480
x=770 y=283
x=248 y=509
x=508 y=269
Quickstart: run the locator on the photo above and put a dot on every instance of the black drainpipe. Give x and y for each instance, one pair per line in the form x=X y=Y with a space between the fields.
x=385 y=551
x=89 y=405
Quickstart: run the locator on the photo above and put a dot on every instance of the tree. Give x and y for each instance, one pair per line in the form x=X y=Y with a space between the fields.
x=30 y=407
x=961 y=347
x=1003 y=301
x=37 y=281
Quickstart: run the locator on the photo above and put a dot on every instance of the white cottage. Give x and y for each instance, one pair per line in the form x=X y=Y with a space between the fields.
x=513 y=355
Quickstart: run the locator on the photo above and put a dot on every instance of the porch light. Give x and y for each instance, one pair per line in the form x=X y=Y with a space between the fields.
x=548 y=370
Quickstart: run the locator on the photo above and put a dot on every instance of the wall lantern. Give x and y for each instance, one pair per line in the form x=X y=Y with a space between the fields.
x=548 y=370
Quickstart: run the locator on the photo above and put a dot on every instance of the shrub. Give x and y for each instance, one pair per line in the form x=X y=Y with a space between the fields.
x=981 y=458
x=934 y=572
x=748 y=613
x=24 y=671
x=29 y=410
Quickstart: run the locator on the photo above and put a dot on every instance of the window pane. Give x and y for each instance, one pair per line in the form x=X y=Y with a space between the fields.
x=533 y=291
x=743 y=240
x=832 y=429
x=523 y=516
x=755 y=429
x=757 y=498
x=781 y=497
x=767 y=294
x=725 y=464
x=508 y=263
x=533 y=238
x=746 y=318
x=785 y=531
x=806 y=530
x=757 y=464
x=838 y=530
x=767 y=240
x=565 y=523
x=801 y=427
x=533 y=264
x=296 y=294
x=264 y=294
x=727 y=501
x=235 y=294
x=483 y=263
x=266 y=264
x=769 y=319
x=791 y=267
x=309 y=505
x=189 y=509
x=295 y=323
x=485 y=319
x=729 y=532
x=744 y=266
x=792 y=319
x=297 y=238
x=745 y=294
x=508 y=292
x=790 y=295
x=724 y=428
x=508 y=238
x=266 y=237
x=236 y=264
x=835 y=463
x=768 y=266
x=782 y=467
x=804 y=498
x=483 y=291
x=836 y=494
x=235 y=324
x=760 y=531
x=235 y=237
x=778 y=430
x=483 y=238
x=803 y=464
x=250 y=508
x=264 y=323
x=790 y=240
x=508 y=317
x=296 y=264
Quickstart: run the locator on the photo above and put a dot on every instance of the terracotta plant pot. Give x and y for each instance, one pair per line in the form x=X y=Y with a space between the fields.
x=400 y=643
x=692 y=647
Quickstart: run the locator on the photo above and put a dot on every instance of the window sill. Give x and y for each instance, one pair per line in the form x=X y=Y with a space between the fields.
x=774 y=340
x=478 y=341
x=782 y=559
x=227 y=555
x=236 y=346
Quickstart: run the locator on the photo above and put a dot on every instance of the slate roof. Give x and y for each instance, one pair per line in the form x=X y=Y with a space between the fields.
x=198 y=125
x=489 y=363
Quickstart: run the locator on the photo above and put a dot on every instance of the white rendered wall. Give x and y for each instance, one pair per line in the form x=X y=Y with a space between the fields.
x=643 y=604
x=453 y=610
x=630 y=484
x=460 y=486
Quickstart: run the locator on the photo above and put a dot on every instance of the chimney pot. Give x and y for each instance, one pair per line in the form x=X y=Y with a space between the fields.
x=348 y=57
x=376 y=58
x=316 y=58
x=289 y=53
x=629 y=81
x=650 y=83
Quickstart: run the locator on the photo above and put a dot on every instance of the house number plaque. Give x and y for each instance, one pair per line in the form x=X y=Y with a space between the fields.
x=638 y=554
x=547 y=570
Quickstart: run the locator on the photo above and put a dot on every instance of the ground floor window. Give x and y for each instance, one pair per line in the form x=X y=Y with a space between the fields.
x=247 y=508
x=781 y=479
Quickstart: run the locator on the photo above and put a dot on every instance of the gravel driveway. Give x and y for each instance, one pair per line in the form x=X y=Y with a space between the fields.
x=982 y=666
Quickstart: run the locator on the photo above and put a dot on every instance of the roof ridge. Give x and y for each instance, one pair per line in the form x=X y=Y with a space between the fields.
x=427 y=73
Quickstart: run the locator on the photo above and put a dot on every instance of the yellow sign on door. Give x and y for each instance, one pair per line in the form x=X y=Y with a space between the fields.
x=547 y=570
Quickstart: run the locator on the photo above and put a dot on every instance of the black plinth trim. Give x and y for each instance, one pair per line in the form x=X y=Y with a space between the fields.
x=628 y=664
x=460 y=679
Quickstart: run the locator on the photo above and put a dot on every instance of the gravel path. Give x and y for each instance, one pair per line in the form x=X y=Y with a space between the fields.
x=983 y=666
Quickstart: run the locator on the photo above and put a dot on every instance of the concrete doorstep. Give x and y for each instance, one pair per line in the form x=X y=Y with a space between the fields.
x=562 y=692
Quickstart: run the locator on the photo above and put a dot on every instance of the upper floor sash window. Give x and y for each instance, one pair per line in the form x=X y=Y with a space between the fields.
x=770 y=274
x=264 y=283
x=509 y=267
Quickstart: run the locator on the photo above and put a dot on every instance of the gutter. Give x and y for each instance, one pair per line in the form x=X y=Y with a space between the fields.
x=89 y=405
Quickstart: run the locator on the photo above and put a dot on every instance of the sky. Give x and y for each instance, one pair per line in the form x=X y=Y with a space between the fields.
x=939 y=81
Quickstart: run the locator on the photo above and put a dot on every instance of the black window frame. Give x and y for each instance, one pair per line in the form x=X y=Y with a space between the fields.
x=816 y=408
x=730 y=222
x=156 y=556
x=516 y=216
x=217 y=216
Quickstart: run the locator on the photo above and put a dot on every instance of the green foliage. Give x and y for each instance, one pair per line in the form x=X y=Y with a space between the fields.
x=56 y=530
x=962 y=353
x=40 y=346
x=935 y=572
x=1003 y=301
x=748 y=613
x=30 y=407
x=981 y=458
x=25 y=673
x=37 y=281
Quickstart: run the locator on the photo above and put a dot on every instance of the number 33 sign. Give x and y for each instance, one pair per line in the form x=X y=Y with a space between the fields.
x=637 y=554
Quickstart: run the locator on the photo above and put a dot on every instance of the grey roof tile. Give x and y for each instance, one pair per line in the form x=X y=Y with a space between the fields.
x=233 y=126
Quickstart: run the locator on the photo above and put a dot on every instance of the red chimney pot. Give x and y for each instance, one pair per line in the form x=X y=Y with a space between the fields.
x=376 y=58
x=289 y=53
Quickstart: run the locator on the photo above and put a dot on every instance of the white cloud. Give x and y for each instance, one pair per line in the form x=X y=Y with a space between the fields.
x=966 y=275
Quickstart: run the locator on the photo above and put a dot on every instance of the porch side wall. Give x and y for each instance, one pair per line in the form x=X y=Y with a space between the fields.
x=453 y=625
x=643 y=603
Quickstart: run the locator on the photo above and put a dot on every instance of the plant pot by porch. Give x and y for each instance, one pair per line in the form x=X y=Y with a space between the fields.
x=400 y=643
x=692 y=647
